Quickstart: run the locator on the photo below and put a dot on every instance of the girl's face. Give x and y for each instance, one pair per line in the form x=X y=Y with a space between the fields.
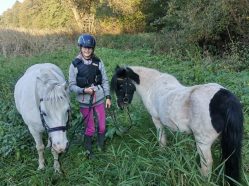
x=87 y=52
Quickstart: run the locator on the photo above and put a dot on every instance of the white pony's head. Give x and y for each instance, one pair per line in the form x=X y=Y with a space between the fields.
x=123 y=84
x=54 y=109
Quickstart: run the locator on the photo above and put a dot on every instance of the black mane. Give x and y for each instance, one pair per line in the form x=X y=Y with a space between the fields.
x=122 y=73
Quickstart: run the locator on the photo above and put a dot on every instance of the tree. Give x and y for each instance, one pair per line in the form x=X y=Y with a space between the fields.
x=80 y=9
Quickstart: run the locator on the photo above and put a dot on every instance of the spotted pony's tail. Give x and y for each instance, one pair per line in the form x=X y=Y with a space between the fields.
x=227 y=118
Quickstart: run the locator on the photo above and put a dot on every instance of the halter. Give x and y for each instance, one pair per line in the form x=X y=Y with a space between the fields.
x=128 y=87
x=53 y=129
x=125 y=98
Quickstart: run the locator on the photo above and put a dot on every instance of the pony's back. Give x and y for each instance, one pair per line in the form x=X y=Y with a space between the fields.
x=38 y=70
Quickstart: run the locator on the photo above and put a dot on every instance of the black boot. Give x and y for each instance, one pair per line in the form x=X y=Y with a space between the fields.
x=101 y=139
x=88 y=146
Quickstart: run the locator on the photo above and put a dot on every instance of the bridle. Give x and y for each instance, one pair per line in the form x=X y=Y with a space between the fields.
x=128 y=86
x=125 y=98
x=53 y=129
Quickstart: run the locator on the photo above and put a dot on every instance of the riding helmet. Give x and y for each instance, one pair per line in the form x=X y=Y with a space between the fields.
x=87 y=41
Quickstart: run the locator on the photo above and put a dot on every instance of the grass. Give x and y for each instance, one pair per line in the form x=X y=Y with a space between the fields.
x=133 y=158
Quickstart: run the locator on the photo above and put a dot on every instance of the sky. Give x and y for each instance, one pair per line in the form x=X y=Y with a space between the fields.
x=5 y=4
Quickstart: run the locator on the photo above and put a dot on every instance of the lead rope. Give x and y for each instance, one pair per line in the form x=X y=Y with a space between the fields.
x=114 y=119
x=131 y=125
x=83 y=120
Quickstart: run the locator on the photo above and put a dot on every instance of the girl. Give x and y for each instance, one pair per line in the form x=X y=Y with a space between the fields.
x=88 y=79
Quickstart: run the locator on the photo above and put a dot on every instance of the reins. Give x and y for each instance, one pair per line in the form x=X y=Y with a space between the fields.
x=77 y=126
x=128 y=112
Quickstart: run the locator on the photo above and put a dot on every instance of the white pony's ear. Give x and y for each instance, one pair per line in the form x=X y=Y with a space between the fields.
x=40 y=82
x=65 y=85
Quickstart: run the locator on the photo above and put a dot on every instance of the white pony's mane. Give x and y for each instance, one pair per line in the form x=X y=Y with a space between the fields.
x=55 y=92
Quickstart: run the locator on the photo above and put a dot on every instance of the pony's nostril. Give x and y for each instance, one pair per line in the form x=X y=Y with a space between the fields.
x=125 y=100
x=62 y=150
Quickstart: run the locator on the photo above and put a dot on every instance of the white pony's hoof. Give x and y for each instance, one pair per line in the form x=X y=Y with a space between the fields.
x=205 y=172
x=57 y=167
x=41 y=167
x=58 y=171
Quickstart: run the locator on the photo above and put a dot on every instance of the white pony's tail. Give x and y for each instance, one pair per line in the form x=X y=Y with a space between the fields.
x=227 y=118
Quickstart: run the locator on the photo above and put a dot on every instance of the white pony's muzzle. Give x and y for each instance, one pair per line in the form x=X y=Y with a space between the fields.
x=59 y=142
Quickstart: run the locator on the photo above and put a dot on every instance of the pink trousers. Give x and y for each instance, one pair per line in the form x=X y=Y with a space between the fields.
x=87 y=113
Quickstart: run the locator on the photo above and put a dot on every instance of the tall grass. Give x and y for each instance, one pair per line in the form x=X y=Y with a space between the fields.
x=23 y=42
x=132 y=158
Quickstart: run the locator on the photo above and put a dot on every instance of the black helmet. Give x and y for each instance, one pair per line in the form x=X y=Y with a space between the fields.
x=86 y=40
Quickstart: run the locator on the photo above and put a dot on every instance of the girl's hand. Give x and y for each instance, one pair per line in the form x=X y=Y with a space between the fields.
x=108 y=103
x=89 y=90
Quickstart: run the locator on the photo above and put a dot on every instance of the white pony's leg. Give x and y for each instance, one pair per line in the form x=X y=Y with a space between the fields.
x=206 y=159
x=56 y=161
x=160 y=132
x=39 y=146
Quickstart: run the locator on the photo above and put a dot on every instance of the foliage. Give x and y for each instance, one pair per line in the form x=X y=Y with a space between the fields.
x=121 y=15
x=70 y=14
x=38 y=14
x=153 y=12
x=211 y=25
x=208 y=23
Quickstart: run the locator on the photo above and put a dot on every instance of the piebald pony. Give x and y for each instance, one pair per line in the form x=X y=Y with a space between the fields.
x=206 y=111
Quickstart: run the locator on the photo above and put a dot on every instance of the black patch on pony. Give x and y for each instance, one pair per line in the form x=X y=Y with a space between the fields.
x=132 y=75
x=122 y=73
x=227 y=118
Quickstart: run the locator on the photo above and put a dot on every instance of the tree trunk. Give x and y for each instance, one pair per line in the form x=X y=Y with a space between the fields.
x=74 y=6
x=78 y=18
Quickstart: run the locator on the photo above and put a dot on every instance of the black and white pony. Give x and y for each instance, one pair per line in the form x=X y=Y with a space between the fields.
x=42 y=99
x=206 y=111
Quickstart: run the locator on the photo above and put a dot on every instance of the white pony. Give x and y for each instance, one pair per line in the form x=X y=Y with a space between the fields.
x=206 y=111
x=41 y=98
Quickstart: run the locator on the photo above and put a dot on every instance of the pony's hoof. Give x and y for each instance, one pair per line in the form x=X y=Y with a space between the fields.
x=89 y=155
x=57 y=171
x=41 y=167
x=100 y=149
x=57 y=168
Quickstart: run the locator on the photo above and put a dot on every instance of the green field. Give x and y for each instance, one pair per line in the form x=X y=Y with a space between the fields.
x=132 y=158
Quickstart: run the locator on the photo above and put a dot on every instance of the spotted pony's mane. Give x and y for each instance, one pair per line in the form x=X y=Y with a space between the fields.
x=121 y=73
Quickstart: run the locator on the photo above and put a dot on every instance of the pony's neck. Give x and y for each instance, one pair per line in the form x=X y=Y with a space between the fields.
x=153 y=83
x=147 y=78
x=151 y=78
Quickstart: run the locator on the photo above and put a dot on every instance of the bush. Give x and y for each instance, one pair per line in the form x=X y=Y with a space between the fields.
x=211 y=24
